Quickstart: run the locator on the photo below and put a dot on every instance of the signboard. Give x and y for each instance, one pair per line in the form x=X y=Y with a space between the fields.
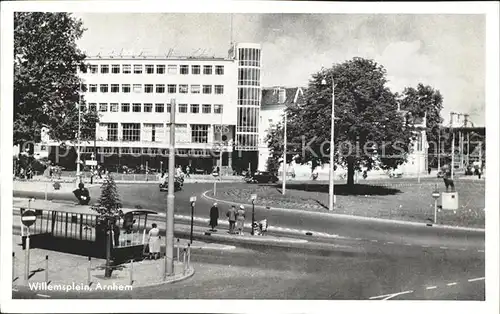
x=192 y=199
x=253 y=197
x=91 y=162
x=28 y=218
x=435 y=194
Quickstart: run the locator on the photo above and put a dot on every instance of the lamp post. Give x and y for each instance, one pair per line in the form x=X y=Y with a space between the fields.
x=169 y=224
x=439 y=148
x=332 y=149
x=284 y=158
x=78 y=173
x=435 y=195
x=161 y=166
x=253 y=198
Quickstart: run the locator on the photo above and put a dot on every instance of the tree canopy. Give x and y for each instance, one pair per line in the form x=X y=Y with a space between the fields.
x=46 y=84
x=369 y=130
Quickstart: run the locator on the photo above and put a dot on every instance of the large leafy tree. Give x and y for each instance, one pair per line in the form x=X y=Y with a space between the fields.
x=425 y=101
x=370 y=131
x=46 y=84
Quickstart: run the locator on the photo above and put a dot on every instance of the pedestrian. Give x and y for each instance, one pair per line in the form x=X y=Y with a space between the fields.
x=429 y=170
x=214 y=216
x=188 y=171
x=240 y=219
x=154 y=241
x=116 y=233
x=231 y=216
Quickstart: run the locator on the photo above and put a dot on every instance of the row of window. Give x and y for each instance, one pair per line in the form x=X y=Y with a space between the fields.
x=158 y=88
x=148 y=107
x=131 y=132
x=152 y=69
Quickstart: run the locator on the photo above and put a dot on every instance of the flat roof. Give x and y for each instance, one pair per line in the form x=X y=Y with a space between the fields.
x=176 y=58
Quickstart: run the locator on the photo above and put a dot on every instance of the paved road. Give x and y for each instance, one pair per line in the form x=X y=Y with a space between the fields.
x=373 y=259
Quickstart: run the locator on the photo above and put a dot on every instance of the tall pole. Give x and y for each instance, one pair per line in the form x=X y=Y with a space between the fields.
x=78 y=174
x=253 y=217
x=332 y=150
x=192 y=222
x=220 y=151
x=284 y=158
x=169 y=239
x=439 y=147
x=452 y=153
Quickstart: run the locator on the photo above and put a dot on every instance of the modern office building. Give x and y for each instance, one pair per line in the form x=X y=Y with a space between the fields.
x=217 y=104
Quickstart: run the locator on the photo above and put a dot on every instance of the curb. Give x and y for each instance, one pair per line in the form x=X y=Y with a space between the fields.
x=350 y=217
x=174 y=279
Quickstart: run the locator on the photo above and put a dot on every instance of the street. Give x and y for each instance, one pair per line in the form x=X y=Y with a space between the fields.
x=369 y=258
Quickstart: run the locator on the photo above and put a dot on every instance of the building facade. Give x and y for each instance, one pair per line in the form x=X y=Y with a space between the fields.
x=217 y=102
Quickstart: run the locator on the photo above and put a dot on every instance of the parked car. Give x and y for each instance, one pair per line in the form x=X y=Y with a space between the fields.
x=199 y=171
x=263 y=177
x=178 y=183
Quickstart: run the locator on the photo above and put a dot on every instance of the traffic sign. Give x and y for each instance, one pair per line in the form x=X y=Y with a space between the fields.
x=253 y=197
x=28 y=218
x=435 y=194
x=192 y=199
x=91 y=162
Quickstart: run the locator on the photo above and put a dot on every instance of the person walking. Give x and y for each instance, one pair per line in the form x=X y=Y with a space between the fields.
x=188 y=171
x=214 y=217
x=231 y=216
x=154 y=241
x=240 y=219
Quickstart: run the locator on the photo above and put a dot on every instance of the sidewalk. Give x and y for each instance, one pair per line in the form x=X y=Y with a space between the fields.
x=72 y=271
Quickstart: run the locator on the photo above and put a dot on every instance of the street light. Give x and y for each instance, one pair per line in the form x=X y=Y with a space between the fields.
x=332 y=148
x=284 y=157
x=78 y=174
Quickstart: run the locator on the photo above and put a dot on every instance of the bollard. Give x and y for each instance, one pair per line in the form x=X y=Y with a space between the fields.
x=88 y=271
x=131 y=271
x=178 y=251
x=189 y=255
x=46 y=269
x=13 y=266
x=184 y=259
x=164 y=267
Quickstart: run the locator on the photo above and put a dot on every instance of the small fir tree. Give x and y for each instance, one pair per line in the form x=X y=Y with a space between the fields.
x=108 y=205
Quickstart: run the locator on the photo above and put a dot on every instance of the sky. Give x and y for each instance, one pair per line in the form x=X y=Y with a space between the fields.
x=446 y=52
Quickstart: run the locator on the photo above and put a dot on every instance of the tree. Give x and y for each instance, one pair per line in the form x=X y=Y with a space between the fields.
x=369 y=132
x=425 y=101
x=46 y=84
x=108 y=209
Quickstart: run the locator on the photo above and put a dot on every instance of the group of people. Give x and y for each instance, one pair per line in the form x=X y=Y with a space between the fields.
x=236 y=218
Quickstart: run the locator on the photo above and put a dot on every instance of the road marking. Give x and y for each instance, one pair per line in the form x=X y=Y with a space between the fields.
x=426 y=246
x=451 y=284
x=408 y=244
x=390 y=295
x=374 y=240
x=358 y=239
x=443 y=247
x=13 y=289
x=476 y=279
x=463 y=249
x=390 y=242
x=431 y=287
x=480 y=251
x=43 y=295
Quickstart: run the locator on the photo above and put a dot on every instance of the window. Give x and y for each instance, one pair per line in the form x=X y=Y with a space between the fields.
x=104 y=69
x=172 y=69
x=172 y=88
x=169 y=108
x=136 y=107
x=219 y=89
x=93 y=68
x=249 y=76
x=126 y=69
x=131 y=132
x=218 y=109
x=219 y=70
x=207 y=89
x=125 y=107
x=137 y=88
x=183 y=108
x=160 y=88
x=104 y=88
x=159 y=108
x=113 y=107
x=195 y=69
x=103 y=107
x=115 y=88
x=195 y=108
x=199 y=133
x=125 y=88
x=148 y=107
x=150 y=69
x=137 y=68
x=206 y=108
x=115 y=69
x=184 y=69
x=207 y=69
x=93 y=106
x=195 y=89
x=183 y=89
x=148 y=88
x=93 y=88
x=160 y=69
x=153 y=133
x=112 y=131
